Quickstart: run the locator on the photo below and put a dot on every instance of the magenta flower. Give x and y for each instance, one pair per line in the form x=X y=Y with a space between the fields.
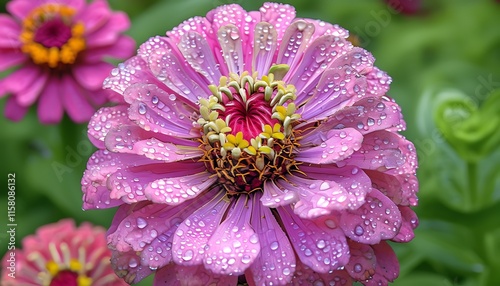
x=59 y=47
x=257 y=147
x=61 y=255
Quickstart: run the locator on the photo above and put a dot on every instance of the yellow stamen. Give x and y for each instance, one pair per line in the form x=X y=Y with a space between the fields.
x=52 y=267
x=84 y=280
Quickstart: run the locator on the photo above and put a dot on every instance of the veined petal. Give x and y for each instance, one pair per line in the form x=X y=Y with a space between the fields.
x=264 y=47
x=174 y=275
x=230 y=41
x=278 y=15
x=275 y=196
x=409 y=223
x=317 y=197
x=129 y=139
x=385 y=151
x=294 y=42
x=321 y=248
x=317 y=58
x=376 y=220
x=339 y=145
x=193 y=234
x=351 y=178
x=104 y=120
x=235 y=245
x=127 y=265
x=198 y=54
x=134 y=70
x=176 y=190
x=154 y=109
x=377 y=82
x=363 y=261
x=337 y=87
x=370 y=114
x=401 y=188
x=387 y=269
x=275 y=263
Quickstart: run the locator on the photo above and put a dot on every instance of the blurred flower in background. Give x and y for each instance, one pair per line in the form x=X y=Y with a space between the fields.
x=61 y=254
x=408 y=7
x=58 y=48
x=253 y=144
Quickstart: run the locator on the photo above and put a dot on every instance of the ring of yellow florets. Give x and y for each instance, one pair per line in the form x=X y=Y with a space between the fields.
x=243 y=166
x=52 y=56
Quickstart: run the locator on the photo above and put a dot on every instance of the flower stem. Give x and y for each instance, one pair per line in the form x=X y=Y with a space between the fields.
x=473 y=188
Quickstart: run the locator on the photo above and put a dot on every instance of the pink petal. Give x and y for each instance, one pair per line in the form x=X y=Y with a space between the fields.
x=198 y=54
x=387 y=269
x=376 y=220
x=362 y=264
x=322 y=248
x=409 y=223
x=50 y=107
x=235 y=245
x=337 y=87
x=229 y=38
x=140 y=228
x=127 y=265
x=193 y=234
x=29 y=95
x=91 y=76
x=370 y=114
x=294 y=42
x=104 y=120
x=131 y=139
x=351 y=178
x=401 y=189
x=191 y=275
x=94 y=16
x=383 y=150
x=196 y=24
x=316 y=197
x=123 y=48
x=264 y=47
x=134 y=70
x=231 y=16
x=276 y=195
x=173 y=71
x=20 y=80
x=108 y=33
x=10 y=31
x=10 y=58
x=75 y=101
x=377 y=82
x=280 y=16
x=13 y=110
x=100 y=165
x=306 y=276
x=275 y=264
x=340 y=145
x=21 y=8
x=176 y=190
x=324 y=28
x=317 y=57
x=154 y=109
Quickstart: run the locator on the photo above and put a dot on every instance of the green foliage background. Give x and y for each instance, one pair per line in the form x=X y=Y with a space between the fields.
x=445 y=63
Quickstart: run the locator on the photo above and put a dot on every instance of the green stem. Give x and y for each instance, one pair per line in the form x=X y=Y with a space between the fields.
x=473 y=190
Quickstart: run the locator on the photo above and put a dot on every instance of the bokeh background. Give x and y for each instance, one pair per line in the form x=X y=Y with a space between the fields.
x=445 y=64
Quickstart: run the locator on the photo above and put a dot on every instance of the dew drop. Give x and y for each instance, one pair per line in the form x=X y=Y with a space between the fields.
x=358 y=230
x=274 y=245
x=188 y=255
x=357 y=268
x=142 y=108
x=141 y=223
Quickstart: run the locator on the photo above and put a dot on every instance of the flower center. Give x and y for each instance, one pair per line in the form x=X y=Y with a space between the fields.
x=63 y=275
x=248 y=134
x=50 y=37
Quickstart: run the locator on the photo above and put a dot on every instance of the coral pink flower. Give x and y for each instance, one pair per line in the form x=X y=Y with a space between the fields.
x=257 y=147
x=61 y=255
x=59 y=47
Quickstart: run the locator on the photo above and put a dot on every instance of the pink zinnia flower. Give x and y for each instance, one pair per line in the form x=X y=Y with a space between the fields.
x=60 y=254
x=253 y=146
x=60 y=48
